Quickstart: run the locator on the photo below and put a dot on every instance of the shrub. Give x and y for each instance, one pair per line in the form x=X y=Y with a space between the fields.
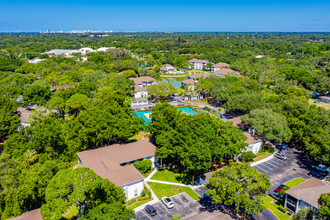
x=130 y=202
x=148 y=191
x=143 y=166
x=248 y=156
x=140 y=198
x=143 y=193
x=282 y=209
x=207 y=109
x=290 y=213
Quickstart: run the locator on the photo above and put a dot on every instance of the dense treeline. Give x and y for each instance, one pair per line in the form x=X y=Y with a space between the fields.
x=85 y=105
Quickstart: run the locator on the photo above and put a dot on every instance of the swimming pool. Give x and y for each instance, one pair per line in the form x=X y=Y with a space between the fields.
x=187 y=110
x=146 y=114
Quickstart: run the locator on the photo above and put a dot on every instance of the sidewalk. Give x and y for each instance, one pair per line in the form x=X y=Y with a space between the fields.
x=263 y=160
x=170 y=183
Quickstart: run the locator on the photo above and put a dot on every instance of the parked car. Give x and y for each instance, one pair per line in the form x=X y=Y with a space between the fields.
x=280 y=156
x=280 y=188
x=150 y=210
x=317 y=101
x=282 y=147
x=168 y=202
x=277 y=195
x=316 y=174
x=321 y=168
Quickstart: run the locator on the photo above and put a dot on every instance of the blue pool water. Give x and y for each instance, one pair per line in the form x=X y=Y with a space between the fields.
x=186 y=110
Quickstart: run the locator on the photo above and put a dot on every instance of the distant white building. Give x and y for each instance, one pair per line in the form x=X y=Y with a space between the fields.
x=66 y=52
x=198 y=64
x=218 y=66
x=103 y=49
x=36 y=61
x=141 y=86
x=190 y=83
x=139 y=102
x=86 y=50
x=167 y=67
x=140 y=92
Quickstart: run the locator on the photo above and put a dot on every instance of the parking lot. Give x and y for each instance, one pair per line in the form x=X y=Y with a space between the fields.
x=184 y=206
x=280 y=171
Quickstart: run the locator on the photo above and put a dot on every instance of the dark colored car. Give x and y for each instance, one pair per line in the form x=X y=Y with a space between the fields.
x=316 y=174
x=277 y=195
x=150 y=210
x=280 y=188
x=282 y=147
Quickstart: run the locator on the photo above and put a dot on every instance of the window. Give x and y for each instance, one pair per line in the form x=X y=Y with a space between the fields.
x=135 y=192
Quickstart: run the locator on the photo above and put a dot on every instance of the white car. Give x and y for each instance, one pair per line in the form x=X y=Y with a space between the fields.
x=168 y=202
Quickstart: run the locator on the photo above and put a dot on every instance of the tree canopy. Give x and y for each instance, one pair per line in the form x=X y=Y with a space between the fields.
x=239 y=186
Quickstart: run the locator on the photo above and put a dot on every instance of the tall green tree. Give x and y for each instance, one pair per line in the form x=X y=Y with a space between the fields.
x=9 y=119
x=239 y=185
x=269 y=125
x=160 y=90
x=36 y=94
x=324 y=210
x=72 y=192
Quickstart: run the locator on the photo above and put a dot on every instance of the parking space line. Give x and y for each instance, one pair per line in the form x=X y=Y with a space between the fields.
x=183 y=203
x=272 y=165
x=278 y=163
x=146 y=214
x=267 y=168
x=164 y=207
x=261 y=169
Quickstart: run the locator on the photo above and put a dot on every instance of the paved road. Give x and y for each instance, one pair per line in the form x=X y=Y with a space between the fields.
x=265 y=215
x=279 y=171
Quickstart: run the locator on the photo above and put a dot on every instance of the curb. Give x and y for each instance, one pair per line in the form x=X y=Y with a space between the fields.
x=273 y=213
x=262 y=161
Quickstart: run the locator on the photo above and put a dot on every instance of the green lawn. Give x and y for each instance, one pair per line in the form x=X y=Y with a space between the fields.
x=169 y=176
x=162 y=190
x=294 y=182
x=273 y=207
x=137 y=204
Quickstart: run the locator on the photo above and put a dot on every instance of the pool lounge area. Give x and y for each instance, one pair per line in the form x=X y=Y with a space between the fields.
x=146 y=114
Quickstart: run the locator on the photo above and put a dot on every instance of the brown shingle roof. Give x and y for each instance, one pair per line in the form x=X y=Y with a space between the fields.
x=225 y=71
x=220 y=65
x=189 y=81
x=251 y=139
x=310 y=191
x=142 y=79
x=24 y=113
x=198 y=61
x=198 y=75
x=237 y=121
x=31 y=215
x=140 y=88
x=106 y=161
x=141 y=100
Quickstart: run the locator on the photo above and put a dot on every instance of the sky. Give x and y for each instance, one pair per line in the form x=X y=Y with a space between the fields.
x=166 y=16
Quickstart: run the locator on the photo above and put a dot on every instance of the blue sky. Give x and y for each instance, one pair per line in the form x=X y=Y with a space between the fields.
x=160 y=15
